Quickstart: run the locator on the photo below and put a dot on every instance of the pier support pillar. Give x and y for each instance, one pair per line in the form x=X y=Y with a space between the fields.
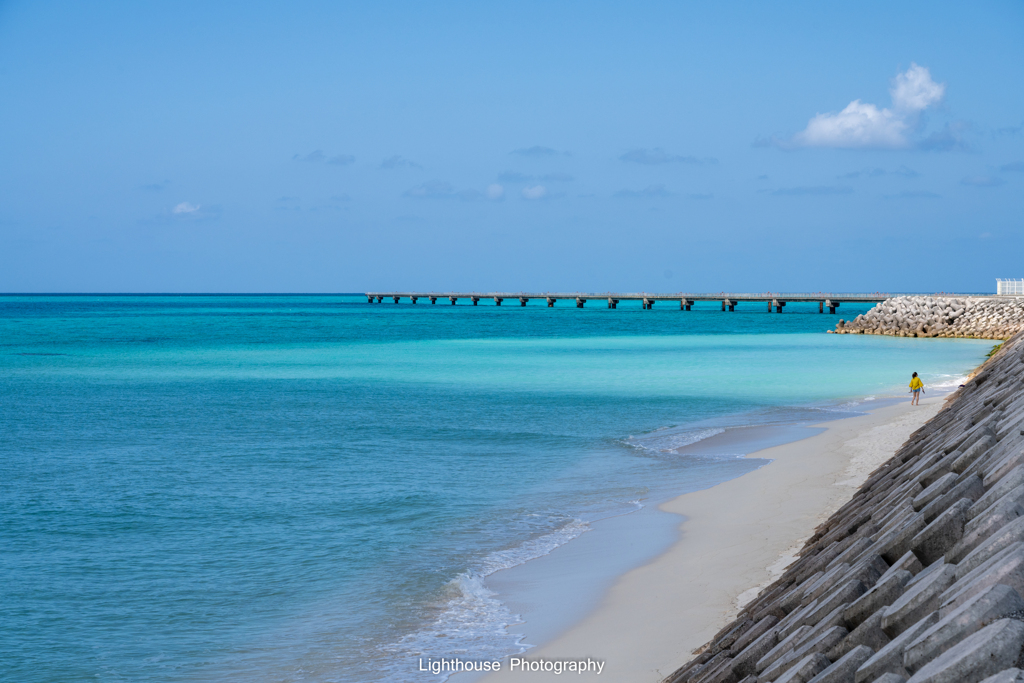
x=648 y=303
x=728 y=304
x=832 y=306
x=414 y=298
x=684 y=304
x=580 y=302
x=453 y=299
x=433 y=299
x=523 y=300
x=396 y=298
x=475 y=300
x=497 y=301
x=551 y=302
x=821 y=307
x=778 y=305
x=369 y=299
x=380 y=299
x=613 y=303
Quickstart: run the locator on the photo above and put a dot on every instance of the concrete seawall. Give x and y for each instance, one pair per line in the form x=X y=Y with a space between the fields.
x=919 y=577
x=936 y=316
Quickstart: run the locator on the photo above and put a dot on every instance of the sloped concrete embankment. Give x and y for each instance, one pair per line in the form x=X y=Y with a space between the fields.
x=919 y=577
x=934 y=316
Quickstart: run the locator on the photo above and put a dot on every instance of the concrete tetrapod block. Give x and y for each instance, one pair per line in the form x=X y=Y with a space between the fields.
x=908 y=562
x=883 y=594
x=806 y=669
x=969 y=488
x=857 y=545
x=890 y=678
x=1013 y=675
x=1009 y=535
x=746 y=660
x=1006 y=486
x=973 y=453
x=890 y=657
x=821 y=642
x=982 y=464
x=779 y=666
x=725 y=640
x=989 y=651
x=924 y=574
x=983 y=526
x=722 y=674
x=994 y=604
x=935 y=539
x=824 y=583
x=833 y=618
x=794 y=598
x=868 y=569
x=1003 y=468
x=869 y=633
x=917 y=601
x=1006 y=568
x=893 y=545
x=939 y=487
x=755 y=632
x=794 y=619
x=935 y=468
x=707 y=666
x=843 y=595
x=786 y=645
x=1008 y=507
x=844 y=670
x=893 y=522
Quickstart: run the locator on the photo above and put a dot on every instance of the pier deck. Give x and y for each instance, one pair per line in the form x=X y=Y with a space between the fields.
x=729 y=300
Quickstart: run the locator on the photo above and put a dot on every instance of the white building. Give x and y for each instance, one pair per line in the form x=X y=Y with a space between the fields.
x=1009 y=287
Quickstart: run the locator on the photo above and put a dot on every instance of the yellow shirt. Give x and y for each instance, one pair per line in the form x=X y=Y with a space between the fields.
x=916 y=383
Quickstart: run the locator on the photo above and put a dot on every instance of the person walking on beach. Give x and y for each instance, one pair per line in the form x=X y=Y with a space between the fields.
x=916 y=386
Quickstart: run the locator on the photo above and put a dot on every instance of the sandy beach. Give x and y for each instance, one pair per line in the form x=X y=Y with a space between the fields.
x=737 y=537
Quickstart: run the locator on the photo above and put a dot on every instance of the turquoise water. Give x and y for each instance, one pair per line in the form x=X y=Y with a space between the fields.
x=312 y=488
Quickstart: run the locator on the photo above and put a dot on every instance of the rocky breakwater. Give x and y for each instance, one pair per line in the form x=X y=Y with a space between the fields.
x=935 y=316
x=919 y=577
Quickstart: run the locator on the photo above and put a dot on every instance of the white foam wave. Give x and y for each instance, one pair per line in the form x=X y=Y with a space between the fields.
x=947 y=382
x=472 y=622
x=670 y=440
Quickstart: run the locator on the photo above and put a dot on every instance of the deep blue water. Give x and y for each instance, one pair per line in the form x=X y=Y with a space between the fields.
x=310 y=488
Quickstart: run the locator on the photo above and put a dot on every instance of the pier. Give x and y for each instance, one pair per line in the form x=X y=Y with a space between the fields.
x=729 y=300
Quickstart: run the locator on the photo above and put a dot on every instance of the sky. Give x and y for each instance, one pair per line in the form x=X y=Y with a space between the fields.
x=529 y=146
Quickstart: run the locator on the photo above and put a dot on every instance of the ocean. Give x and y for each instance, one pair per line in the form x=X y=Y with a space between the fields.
x=313 y=488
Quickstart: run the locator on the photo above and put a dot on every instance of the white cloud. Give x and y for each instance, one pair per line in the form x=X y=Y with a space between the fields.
x=865 y=125
x=495 y=192
x=914 y=90
x=535 y=192
x=185 y=208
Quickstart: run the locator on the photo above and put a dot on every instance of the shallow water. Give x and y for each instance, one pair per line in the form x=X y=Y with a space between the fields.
x=312 y=488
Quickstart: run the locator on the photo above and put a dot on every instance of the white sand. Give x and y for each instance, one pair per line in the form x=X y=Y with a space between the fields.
x=737 y=537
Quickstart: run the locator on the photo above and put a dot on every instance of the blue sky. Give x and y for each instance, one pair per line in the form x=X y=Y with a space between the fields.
x=308 y=147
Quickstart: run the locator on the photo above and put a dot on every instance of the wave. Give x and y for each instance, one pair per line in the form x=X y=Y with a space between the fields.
x=947 y=383
x=472 y=621
x=671 y=439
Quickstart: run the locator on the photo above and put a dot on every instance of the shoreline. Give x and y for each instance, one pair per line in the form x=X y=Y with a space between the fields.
x=733 y=540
